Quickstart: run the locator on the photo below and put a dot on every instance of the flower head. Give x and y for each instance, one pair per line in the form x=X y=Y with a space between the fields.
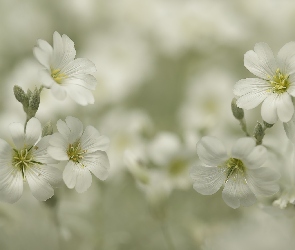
x=274 y=86
x=64 y=74
x=243 y=175
x=83 y=151
x=27 y=161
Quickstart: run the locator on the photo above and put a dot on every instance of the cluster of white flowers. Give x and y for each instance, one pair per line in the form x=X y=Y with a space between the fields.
x=33 y=156
x=244 y=172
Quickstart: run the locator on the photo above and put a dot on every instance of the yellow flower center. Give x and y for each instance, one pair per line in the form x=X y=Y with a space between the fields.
x=234 y=168
x=279 y=82
x=23 y=159
x=57 y=75
x=75 y=152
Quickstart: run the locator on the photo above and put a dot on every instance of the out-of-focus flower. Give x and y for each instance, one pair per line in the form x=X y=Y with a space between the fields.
x=83 y=151
x=64 y=74
x=275 y=85
x=242 y=174
x=169 y=155
x=27 y=161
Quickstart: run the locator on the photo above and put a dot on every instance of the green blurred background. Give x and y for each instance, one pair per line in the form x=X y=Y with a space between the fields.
x=163 y=67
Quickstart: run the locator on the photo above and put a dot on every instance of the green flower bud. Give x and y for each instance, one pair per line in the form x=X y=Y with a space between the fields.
x=47 y=129
x=34 y=102
x=21 y=96
x=259 y=133
x=237 y=112
x=267 y=125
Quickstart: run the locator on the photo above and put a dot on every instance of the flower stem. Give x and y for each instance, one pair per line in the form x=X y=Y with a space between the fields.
x=244 y=126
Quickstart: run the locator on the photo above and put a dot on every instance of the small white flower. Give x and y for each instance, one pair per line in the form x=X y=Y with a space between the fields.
x=64 y=74
x=275 y=85
x=27 y=161
x=242 y=173
x=83 y=151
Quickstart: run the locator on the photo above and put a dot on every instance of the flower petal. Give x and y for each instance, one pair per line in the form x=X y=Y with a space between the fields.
x=59 y=154
x=80 y=94
x=17 y=134
x=57 y=140
x=92 y=141
x=70 y=174
x=263 y=181
x=84 y=180
x=40 y=151
x=252 y=92
x=40 y=188
x=11 y=184
x=98 y=163
x=286 y=59
x=256 y=158
x=242 y=148
x=269 y=109
x=211 y=151
x=80 y=66
x=63 y=51
x=46 y=79
x=285 y=107
x=76 y=128
x=207 y=180
x=237 y=193
x=5 y=153
x=261 y=61
x=33 y=132
x=58 y=91
x=63 y=129
x=86 y=81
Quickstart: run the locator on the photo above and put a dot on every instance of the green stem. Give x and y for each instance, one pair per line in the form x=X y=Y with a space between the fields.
x=244 y=126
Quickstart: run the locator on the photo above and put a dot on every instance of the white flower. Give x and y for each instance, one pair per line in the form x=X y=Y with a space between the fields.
x=242 y=173
x=27 y=161
x=275 y=85
x=64 y=74
x=83 y=151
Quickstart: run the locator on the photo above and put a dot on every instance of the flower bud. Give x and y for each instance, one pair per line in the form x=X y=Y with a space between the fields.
x=47 y=129
x=259 y=133
x=237 y=112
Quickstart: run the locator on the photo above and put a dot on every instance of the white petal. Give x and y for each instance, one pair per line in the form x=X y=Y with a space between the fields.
x=80 y=94
x=211 y=151
x=285 y=107
x=242 y=147
x=92 y=141
x=45 y=46
x=236 y=192
x=70 y=174
x=46 y=79
x=5 y=153
x=57 y=140
x=263 y=181
x=252 y=92
x=286 y=59
x=11 y=184
x=58 y=91
x=85 y=81
x=59 y=154
x=256 y=158
x=207 y=180
x=33 y=132
x=290 y=129
x=76 y=128
x=42 y=57
x=269 y=109
x=40 y=151
x=63 y=129
x=63 y=51
x=17 y=134
x=98 y=163
x=261 y=61
x=84 y=180
x=51 y=175
x=40 y=188
x=80 y=66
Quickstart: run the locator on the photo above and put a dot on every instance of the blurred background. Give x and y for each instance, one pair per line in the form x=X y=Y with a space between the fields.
x=165 y=72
